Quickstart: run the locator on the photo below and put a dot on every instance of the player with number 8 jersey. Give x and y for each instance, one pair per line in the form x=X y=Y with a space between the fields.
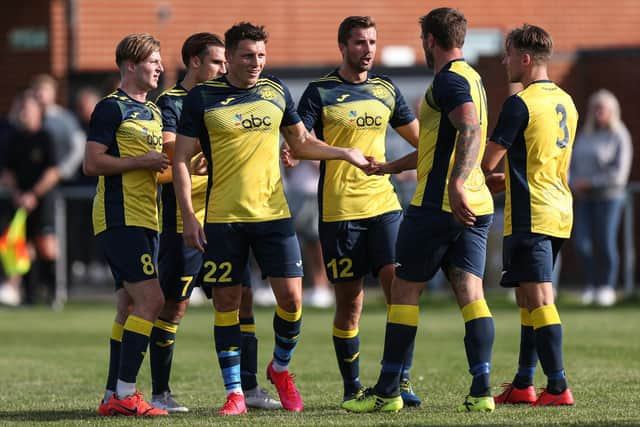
x=124 y=149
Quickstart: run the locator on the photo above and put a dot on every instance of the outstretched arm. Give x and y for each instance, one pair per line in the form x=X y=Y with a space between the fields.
x=303 y=145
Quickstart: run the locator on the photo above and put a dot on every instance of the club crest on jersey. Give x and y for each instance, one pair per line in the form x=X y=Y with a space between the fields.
x=378 y=92
x=252 y=122
x=267 y=93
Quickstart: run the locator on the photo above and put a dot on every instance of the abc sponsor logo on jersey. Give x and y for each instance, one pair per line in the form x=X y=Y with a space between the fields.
x=364 y=120
x=252 y=122
x=153 y=140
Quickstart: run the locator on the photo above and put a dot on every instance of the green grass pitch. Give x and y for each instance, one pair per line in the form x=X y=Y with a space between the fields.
x=53 y=368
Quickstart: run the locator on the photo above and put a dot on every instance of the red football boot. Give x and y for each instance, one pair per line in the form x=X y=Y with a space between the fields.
x=289 y=396
x=235 y=405
x=547 y=399
x=512 y=394
x=133 y=406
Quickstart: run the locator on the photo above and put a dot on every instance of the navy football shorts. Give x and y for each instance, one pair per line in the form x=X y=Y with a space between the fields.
x=351 y=249
x=274 y=245
x=178 y=267
x=528 y=257
x=430 y=239
x=131 y=252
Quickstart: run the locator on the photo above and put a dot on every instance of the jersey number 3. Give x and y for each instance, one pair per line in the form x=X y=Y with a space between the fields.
x=562 y=112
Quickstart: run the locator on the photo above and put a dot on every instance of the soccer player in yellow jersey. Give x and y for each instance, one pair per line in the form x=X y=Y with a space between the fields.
x=237 y=120
x=124 y=149
x=448 y=221
x=535 y=130
x=179 y=265
x=360 y=214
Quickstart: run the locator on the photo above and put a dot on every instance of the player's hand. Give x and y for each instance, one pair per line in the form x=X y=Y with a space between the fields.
x=193 y=233
x=458 y=202
x=199 y=165
x=28 y=200
x=495 y=182
x=372 y=167
x=155 y=161
x=287 y=156
x=386 y=168
x=356 y=158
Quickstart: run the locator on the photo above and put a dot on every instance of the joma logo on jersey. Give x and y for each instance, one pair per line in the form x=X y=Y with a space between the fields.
x=365 y=121
x=227 y=101
x=152 y=140
x=252 y=122
x=343 y=97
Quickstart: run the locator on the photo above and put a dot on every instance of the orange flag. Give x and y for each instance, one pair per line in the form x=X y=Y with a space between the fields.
x=13 y=246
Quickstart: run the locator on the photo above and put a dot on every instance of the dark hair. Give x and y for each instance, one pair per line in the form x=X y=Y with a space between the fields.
x=351 y=22
x=448 y=26
x=197 y=45
x=532 y=40
x=136 y=48
x=244 y=31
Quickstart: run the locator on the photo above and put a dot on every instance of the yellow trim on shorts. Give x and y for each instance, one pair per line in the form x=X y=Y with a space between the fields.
x=341 y=333
x=289 y=317
x=475 y=310
x=403 y=314
x=525 y=317
x=226 y=318
x=138 y=325
x=116 y=331
x=546 y=315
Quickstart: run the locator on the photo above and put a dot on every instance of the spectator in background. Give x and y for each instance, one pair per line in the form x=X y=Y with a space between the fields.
x=30 y=176
x=86 y=100
x=599 y=173
x=68 y=138
x=302 y=192
x=9 y=286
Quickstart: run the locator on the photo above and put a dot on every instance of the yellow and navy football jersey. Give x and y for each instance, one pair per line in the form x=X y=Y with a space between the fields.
x=239 y=131
x=128 y=128
x=454 y=85
x=538 y=127
x=170 y=104
x=353 y=115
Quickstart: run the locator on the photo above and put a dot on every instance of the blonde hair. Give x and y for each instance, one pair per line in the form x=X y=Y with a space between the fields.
x=609 y=100
x=136 y=48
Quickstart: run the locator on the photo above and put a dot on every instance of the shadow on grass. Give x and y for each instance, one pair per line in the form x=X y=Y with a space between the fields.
x=48 y=415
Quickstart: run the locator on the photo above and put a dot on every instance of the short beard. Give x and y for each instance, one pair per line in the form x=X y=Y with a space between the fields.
x=430 y=60
x=357 y=67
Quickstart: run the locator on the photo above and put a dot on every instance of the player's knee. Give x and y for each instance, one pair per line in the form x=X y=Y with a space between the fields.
x=289 y=302
x=174 y=310
x=227 y=298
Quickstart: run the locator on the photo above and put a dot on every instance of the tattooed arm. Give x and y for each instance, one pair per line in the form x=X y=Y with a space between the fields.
x=465 y=119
